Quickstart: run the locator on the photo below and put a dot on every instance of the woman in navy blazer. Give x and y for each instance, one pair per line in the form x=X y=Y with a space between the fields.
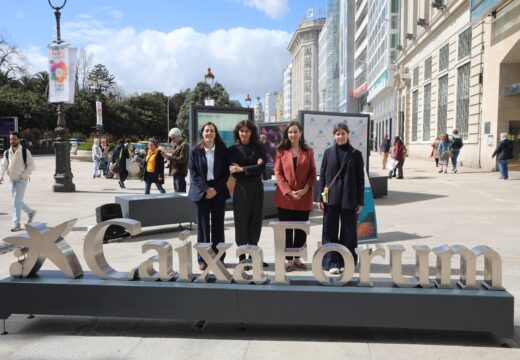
x=345 y=196
x=209 y=172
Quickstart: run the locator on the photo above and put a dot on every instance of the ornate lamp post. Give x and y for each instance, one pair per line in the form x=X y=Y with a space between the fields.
x=168 y=116
x=209 y=79
x=98 y=85
x=63 y=174
x=248 y=100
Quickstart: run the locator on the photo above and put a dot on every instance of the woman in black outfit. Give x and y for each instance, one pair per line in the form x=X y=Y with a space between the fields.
x=342 y=178
x=247 y=158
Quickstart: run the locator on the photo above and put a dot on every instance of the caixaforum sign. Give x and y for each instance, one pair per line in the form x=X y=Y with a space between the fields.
x=41 y=242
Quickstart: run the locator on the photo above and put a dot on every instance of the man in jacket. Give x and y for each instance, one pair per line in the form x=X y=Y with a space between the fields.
x=504 y=153
x=18 y=163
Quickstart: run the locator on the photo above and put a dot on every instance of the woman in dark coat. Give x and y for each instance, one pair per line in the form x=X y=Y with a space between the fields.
x=209 y=172
x=247 y=158
x=342 y=178
x=153 y=169
x=504 y=153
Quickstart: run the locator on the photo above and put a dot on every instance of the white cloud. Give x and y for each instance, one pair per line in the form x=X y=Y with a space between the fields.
x=275 y=9
x=38 y=59
x=243 y=60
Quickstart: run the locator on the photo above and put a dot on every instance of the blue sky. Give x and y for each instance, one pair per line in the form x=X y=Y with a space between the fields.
x=167 y=45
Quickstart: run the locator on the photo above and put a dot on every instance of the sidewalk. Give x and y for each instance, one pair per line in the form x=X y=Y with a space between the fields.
x=470 y=208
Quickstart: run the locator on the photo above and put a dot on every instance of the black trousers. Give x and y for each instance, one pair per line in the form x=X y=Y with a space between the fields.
x=179 y=183
x=294 y=238
x=343 y=221
x=248 y=203
x=210 y=222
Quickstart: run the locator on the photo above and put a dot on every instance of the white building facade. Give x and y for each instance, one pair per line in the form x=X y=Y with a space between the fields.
x=287 y=84
x=270 y=106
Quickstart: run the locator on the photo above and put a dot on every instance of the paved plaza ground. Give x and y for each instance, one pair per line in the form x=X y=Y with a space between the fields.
x=469 y=208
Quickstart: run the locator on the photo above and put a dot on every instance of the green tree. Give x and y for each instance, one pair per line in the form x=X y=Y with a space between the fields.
x=196 y=96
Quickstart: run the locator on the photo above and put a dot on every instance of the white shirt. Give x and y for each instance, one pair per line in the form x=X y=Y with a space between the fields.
x=15 y=166
x=210 y=157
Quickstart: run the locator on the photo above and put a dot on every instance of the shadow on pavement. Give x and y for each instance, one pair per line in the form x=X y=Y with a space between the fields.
x=103 y=327
x=402 y=197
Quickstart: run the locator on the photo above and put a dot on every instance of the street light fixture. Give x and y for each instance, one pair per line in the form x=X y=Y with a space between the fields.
x=248 y=100
x=98 y=85
x=209 y=79
x=63 y=174
x=168 y=116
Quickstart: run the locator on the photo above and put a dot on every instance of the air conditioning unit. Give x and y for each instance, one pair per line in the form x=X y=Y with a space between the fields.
x=422 y=22
x=409 y=36
x=399 y=47
x=438 y=4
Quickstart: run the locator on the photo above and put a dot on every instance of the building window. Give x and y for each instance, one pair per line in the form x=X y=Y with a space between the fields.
x=307 y=50
x=442 y=108
x=307 y=86
x=465 y=43
x=415 y=76
x=393 y=41
x=307 y=100
x=427 y=111
x=307 y=61
x=463 y=98
x=444 y=57
x=428 y=68
x=307 y=74
x=415 y=113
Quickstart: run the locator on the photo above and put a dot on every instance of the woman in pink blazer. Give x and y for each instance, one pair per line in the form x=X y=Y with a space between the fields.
x=295 y=173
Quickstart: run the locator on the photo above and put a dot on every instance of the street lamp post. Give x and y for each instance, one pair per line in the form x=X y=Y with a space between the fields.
x=168 y=116
x=98 y=85
x=248 y=100
x=209 y=79
x=63 y=174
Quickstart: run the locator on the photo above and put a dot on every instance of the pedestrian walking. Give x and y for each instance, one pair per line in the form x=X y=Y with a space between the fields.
x=18 y=164
x=444 y=153
x=97 y=156
x=435 y=153
x=385 y=149
x=178 y=160
x=120 y=154
x=504 y=153
x=247 y=162
x=153 y=169
x=455 y=145
x=398 y=153
x=342 y=178
x=295 y=173
x=105 y=157
x=209 y=172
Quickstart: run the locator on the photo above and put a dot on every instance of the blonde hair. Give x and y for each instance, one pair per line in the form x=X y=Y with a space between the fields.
x=503 y=135
x=96 y=141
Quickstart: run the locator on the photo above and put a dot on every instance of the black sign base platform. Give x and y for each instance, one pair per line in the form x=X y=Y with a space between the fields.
x=303 y=302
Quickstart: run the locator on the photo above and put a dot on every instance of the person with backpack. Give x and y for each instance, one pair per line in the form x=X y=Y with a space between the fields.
x=454 y=146
x=18 y=164
x=119 y=156
x=504 y=153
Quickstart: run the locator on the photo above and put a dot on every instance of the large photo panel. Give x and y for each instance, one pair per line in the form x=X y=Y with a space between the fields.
x=317 y=129
x=225 y=118
x=274 y=133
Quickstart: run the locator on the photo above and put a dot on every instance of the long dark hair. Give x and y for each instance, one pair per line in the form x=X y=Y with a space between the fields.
x=218 y=139
x=341 y=126
x=251 y=126
x=285 y=144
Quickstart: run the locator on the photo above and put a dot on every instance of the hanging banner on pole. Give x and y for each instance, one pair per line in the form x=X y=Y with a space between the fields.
x=99 y=113
x=62 y=73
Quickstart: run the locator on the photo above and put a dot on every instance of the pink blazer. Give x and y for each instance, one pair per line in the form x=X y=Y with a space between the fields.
x=288 y=180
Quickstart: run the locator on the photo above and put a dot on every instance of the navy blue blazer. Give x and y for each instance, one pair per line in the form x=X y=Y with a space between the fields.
x=198 y=166
x=348 y=190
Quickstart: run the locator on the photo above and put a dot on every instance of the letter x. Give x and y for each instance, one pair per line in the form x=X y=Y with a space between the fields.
x=213 y=261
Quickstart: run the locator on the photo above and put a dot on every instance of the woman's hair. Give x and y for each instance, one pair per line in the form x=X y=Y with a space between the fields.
x=445 y=137
x=285 y=144
x=249 y=125
x=154 y=141
x=339 y=126
x=218 y=139
x=175 y=132
x=455 y=131
x=503 y=135
x=96 y=141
